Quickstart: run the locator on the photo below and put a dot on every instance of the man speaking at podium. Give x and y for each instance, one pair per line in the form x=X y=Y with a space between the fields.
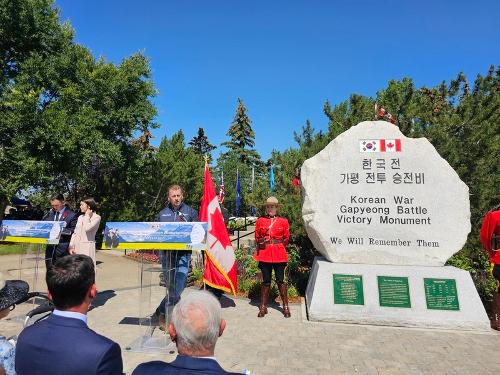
x=59 y=212
x=175 y=263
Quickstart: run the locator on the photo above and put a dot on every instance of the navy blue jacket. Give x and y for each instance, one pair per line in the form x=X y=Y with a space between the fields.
x=65 y=346
x=71 y=219
x=182 y=365
x=184 y=213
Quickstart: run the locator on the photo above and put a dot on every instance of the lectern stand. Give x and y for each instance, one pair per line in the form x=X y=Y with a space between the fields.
x=33 y=236
x=172 y=238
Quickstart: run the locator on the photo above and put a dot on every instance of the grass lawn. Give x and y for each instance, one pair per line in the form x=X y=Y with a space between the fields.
x=15 y=248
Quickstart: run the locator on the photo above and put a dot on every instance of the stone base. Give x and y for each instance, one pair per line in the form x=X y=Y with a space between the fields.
x=322 y=307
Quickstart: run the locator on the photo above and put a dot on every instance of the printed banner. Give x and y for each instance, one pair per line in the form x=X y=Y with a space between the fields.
x=155 y=236
x=30 y=231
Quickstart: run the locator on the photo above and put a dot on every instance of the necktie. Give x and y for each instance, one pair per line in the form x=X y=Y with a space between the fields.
x=57 y=216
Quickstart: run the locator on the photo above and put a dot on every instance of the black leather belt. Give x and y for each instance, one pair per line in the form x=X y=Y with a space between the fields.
x=275 y=241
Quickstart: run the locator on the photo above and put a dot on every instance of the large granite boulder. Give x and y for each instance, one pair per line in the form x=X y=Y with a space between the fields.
x=374 y=196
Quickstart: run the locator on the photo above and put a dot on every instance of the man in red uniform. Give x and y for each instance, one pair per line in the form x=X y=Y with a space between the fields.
x=490 y=238
x=271 y=235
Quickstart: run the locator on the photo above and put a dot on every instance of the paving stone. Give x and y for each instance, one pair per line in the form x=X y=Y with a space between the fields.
x=275 y=345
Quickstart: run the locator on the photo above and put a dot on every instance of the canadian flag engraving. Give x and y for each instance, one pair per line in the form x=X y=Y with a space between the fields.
x=380 y=145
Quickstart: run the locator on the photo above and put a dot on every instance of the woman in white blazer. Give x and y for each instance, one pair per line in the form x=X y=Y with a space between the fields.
x=83 y=239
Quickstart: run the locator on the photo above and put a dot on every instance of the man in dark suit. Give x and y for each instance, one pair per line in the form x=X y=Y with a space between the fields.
x=63 y=343
x=60 y=212
x=195 y=327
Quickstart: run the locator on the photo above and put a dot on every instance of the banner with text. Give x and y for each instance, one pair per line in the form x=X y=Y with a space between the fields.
x=157 y=236
x=30 y=231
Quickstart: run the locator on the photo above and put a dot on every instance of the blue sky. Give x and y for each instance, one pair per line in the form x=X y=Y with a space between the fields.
x=283 y=58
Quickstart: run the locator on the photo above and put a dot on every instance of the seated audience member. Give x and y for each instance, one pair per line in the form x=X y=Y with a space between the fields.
x=63 y=343
x=195 y=327
x=11 y=293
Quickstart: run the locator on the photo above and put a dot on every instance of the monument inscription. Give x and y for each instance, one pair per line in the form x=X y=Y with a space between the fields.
x=348 y=289
x=441 y=294
x=386 y=212
x=374 y=196
x=393 y=291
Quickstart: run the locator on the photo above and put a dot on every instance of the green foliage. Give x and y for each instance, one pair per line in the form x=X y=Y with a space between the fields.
x=242 y=138
x=292 y=292
x=247 y=284
x=240 y=157
x=67 y=120
x=255 y=287
x=7 y=248
x=247 y=265
x=198 y=274
x=200 y=143
x=477 y=263
x=174 y=163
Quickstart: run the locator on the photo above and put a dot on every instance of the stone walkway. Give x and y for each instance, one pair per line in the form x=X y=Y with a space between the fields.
x=275 y=345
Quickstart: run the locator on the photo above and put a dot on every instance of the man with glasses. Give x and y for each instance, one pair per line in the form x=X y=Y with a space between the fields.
x=60 y=212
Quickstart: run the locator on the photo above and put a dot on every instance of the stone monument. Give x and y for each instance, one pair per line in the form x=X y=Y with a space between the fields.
x=386 y=212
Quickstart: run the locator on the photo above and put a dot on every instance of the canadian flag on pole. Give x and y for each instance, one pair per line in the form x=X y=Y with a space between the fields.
x=220 y=261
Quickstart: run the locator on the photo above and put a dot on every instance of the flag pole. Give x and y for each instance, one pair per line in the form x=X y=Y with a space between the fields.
x=206 y=245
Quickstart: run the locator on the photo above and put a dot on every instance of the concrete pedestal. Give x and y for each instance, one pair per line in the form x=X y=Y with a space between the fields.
x=439 y=297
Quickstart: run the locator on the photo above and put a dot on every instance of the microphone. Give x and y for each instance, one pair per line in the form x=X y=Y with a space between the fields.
x=47 y=214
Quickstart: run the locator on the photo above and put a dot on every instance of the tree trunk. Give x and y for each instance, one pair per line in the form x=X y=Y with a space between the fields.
x=4 y=201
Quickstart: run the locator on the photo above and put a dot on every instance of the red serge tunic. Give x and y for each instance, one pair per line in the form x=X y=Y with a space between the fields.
x=491 y=225
x=276 y=233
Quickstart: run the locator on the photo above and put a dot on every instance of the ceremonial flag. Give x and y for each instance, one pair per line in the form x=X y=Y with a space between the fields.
x=222 y=191
x=238 y=191
x=220 y=262
x=271 y=178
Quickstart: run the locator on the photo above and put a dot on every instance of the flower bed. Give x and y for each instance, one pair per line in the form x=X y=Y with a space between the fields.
x=149 y=256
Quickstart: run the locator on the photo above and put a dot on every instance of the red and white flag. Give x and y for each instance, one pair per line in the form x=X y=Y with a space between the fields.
x=222 y=191
x=390 y=145
x=380 y=145
x=220 y=261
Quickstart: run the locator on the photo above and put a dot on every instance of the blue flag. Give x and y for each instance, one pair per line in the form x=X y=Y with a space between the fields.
x=271 y=178
x=238 y=191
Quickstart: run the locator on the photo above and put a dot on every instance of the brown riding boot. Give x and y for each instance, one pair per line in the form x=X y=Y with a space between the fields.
x=264 y=299
x=284 y=297
x=495 y=316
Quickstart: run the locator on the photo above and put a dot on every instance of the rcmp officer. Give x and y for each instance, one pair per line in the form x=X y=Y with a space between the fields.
x=271 y=236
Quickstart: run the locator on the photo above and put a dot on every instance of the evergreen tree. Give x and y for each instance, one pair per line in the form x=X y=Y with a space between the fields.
x=242 y=138
x=200 y=144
